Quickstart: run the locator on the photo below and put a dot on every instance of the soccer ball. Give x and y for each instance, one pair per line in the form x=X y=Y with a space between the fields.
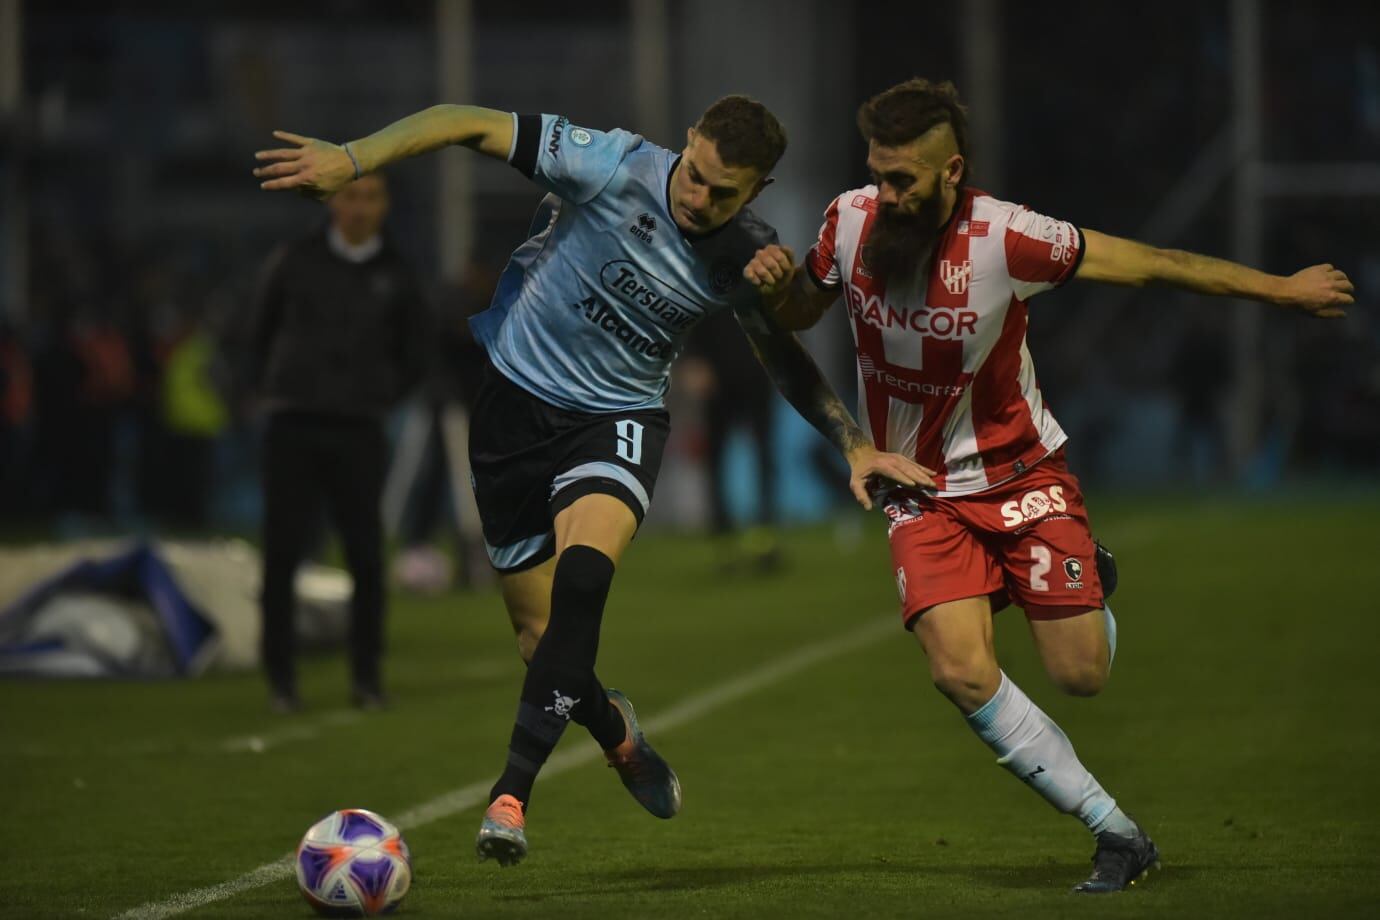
x=353 y=863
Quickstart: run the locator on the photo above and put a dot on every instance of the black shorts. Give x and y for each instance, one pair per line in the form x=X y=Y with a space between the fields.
x=531 y=460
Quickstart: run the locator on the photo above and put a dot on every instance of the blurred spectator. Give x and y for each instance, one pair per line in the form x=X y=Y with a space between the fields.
x=433 y=466
x=16 y=413
x=721 y=367
x=84 y=376
x=1199 y=378
x=339 y=334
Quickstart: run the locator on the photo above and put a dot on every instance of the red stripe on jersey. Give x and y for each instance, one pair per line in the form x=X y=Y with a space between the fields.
x=821 y=259
x=951 y=272
x=1040 y=248
x=1002 y=421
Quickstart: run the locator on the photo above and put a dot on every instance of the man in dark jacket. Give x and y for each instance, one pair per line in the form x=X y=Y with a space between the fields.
x=338 y=336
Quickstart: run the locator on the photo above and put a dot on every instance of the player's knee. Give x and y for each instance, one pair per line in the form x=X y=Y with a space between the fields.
x=1081 y=678
x=968 y=683
x=583 y=573
x=528 y=636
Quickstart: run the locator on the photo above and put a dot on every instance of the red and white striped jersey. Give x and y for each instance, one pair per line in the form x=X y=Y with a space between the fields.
x=944 y=374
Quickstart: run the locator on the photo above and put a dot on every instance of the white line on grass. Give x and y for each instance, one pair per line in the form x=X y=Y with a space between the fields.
x=474 y=794
x=257 y=744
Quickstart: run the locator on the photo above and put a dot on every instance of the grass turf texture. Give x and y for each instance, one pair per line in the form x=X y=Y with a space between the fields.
x=1238 y=727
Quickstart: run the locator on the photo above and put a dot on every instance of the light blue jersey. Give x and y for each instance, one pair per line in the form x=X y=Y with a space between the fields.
x=592 y=310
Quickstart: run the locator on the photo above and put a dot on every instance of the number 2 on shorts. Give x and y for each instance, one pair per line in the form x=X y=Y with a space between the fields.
x=630 y=443
x=1043 y=562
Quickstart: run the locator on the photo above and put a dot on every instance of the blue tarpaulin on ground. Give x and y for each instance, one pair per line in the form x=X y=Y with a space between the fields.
x=175 y=636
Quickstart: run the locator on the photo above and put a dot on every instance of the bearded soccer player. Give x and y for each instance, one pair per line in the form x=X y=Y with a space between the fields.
x=936 y=276
x=640 y=246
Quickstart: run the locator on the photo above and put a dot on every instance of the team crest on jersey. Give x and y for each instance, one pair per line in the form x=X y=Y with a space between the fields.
x=956 y=277
x=722 y=277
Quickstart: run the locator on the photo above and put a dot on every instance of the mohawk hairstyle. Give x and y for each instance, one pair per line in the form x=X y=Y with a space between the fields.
x=907 y=110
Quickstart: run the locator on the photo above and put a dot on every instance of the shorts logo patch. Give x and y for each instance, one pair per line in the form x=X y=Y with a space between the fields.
x=903 y=510
x=1033 y=506
x=901 y=583
x=1074 y=570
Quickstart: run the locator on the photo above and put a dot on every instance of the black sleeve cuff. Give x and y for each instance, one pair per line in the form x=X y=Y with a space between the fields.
x=526 y=145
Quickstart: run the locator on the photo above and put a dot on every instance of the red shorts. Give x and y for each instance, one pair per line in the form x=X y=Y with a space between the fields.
x=1026 y=540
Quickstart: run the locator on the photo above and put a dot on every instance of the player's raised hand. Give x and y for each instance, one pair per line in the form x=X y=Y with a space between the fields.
x=871 y=470
x=770 y=270
x=1322 y=290
x=313 y=167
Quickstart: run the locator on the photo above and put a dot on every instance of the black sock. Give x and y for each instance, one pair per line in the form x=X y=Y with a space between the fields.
x=603 y=722
x=560 y=679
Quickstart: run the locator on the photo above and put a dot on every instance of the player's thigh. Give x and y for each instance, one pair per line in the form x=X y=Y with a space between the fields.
x=957 y=639
x=527 y=596
x=511 y=463
x=603 y=487
x=935 y=555
x=602 y=521
x=1072 y=643
x=1048 y=555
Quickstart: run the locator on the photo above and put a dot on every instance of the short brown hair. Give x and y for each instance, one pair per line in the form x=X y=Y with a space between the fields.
x=901 y=114
x=745 y=132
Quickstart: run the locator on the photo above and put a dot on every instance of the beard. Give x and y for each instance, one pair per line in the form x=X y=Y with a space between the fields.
x=899 y=239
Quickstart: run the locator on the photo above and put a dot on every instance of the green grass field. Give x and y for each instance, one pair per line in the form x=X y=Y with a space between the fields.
x=1240 y=726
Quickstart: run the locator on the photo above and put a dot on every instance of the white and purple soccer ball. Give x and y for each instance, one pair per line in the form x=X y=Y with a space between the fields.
x=353 y=863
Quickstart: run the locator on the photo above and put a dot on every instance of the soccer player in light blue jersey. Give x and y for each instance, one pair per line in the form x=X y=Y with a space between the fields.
x=642 y=243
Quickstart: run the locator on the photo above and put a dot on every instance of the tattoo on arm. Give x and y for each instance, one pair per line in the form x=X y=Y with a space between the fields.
x=799 y=379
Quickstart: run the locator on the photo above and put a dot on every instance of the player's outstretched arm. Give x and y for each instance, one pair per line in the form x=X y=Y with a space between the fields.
x=794 y=301
x=320 y=168
x=798 y=378
x=1321 y=290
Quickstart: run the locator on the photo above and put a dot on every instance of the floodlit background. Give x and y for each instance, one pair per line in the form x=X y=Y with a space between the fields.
x=1230 y=454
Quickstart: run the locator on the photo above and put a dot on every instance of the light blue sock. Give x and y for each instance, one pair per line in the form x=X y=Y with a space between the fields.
x=1111 y=633
x=1037 y=751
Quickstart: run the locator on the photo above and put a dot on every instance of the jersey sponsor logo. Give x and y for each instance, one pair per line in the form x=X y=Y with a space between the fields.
x=1033 y=506
x=553 y=147
x=602 y=315
x=644 y=291
x=644 y=227
x=1062 y=250
x=956 y=277
x=935 y=322
x=580 y=137
x=864 y=203
x=973 y=227
x=902 y=384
